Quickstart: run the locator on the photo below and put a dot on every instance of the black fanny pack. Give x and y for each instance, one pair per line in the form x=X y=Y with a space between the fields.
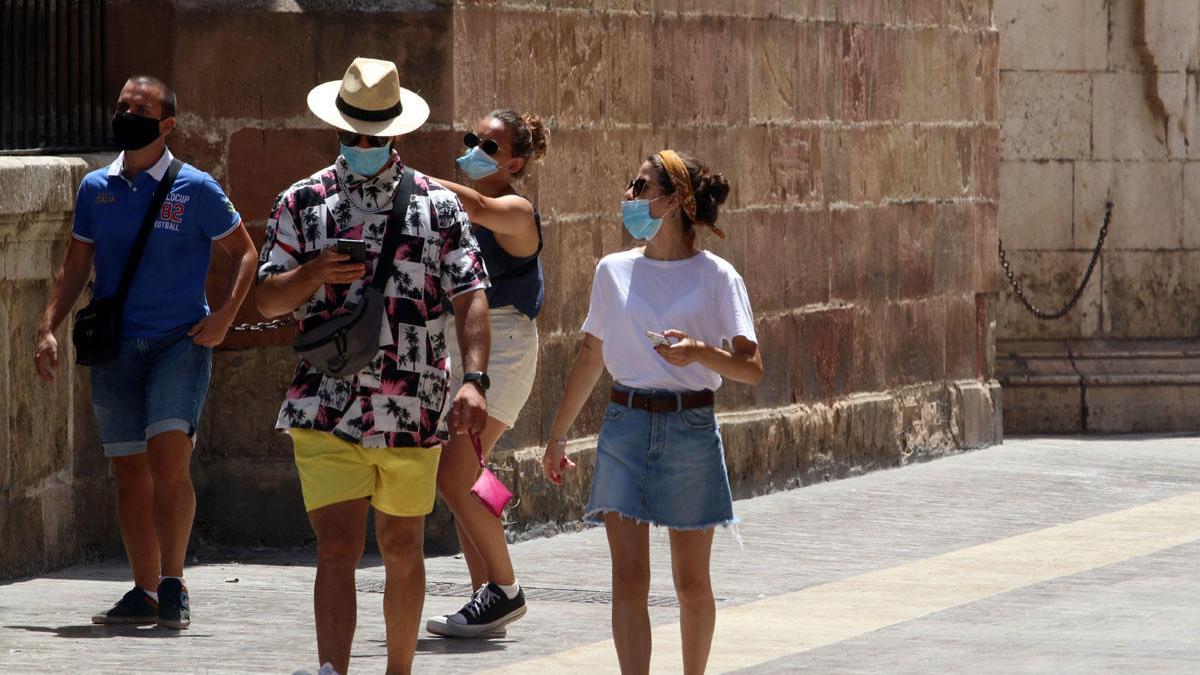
x=346 y=343
x=97 y=330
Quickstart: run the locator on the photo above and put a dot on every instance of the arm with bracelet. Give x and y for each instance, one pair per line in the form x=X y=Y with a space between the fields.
x=585 y=372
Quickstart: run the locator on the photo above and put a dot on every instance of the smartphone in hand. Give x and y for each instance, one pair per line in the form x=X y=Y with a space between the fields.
x=658 y=339
x=355 y=248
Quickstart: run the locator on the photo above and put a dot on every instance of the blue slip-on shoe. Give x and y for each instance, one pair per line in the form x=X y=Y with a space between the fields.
x=135 y=607
x=173 y=609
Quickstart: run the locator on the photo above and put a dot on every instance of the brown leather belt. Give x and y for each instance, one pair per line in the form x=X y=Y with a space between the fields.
x=663 y=402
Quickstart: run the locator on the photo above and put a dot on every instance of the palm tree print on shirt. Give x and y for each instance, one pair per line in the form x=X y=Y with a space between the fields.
x=375 y=230
x=413 y=222
x=438 y=341
x=405 y=285
x=447 y=212
x=426 y=397
x=293 y=413
x=431 y=254
x=335 y=392
x=371 y=194
x=359 y=424
x=372 y=375
x=311 y=221
x=462 y=273
x=433 y=390
x=342 y=213
x=437 y=258
x=412 y=348
x=404 y=418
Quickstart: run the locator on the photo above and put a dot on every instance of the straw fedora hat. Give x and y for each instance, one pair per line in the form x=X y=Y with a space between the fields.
x=369 y=100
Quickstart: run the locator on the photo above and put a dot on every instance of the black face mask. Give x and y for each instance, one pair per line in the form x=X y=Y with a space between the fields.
x=134 y=132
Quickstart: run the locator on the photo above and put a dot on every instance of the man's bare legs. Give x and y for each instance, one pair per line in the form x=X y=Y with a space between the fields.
x=341 y=531
x=136 y=515
x=402 y=545
x=169 y=456
x=155 y=507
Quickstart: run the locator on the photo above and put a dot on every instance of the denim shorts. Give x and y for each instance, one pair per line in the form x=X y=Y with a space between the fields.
x=664 y=468
x=153 y=386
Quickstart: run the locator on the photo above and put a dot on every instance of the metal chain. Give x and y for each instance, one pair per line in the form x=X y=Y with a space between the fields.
x=1034 y=309
x=261 y=326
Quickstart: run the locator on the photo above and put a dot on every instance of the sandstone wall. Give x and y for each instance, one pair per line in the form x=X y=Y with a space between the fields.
x=57 y=503
x=862 y=142
x=1099 y=101
x=861 y=139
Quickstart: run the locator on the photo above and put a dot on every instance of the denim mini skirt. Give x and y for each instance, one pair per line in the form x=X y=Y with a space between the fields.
x=664 y=468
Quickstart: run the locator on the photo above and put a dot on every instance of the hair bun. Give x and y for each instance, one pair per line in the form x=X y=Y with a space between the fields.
x=715 y=186
x=540 y=137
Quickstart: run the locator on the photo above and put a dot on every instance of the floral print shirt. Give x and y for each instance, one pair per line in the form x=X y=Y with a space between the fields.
x=398 y=400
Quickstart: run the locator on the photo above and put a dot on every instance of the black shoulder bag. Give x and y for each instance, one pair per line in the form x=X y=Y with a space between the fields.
x=347 y=343
x=97 y=331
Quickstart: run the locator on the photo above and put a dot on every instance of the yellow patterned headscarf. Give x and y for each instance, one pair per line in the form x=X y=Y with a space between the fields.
x=682 y=182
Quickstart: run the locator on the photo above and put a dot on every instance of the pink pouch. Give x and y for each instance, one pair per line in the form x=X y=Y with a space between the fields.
x=487 y=487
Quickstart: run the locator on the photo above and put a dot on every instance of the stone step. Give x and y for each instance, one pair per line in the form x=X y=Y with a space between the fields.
x=784 y=448
x=1105 y=386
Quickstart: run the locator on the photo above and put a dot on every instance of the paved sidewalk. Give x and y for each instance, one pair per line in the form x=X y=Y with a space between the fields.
x=1041 y=555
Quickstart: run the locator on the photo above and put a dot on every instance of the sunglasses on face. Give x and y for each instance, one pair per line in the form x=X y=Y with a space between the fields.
x=638 y=185
x=486 y=144
x=351 y=139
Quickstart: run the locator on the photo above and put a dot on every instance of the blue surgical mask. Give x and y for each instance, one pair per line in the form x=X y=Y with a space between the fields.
x=366 y=161
x=636 y=217
x=476 y=164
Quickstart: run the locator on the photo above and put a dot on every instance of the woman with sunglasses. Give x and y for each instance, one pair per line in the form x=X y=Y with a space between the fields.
x=509 y=232
x=658 y=320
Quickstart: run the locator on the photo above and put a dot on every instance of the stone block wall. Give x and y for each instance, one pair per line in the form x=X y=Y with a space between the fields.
x=57 y=503
x=862 y=143
x=1098 y=101
x=861 y=139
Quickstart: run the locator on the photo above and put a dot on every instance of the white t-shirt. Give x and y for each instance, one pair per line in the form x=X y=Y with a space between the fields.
x=703 y=296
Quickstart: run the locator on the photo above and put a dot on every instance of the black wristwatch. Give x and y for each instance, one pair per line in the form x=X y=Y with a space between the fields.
x=478 y=377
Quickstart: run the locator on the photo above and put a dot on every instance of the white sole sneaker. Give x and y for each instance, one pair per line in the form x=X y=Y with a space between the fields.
x=443 y=626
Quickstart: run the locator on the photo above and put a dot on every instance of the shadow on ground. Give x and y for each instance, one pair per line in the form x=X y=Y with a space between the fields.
x=91 y=630
x=458 y=646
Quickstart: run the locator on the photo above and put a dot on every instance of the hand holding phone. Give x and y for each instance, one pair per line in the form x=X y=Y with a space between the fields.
x=331 y=266
x=355 y=248
x=658 y=339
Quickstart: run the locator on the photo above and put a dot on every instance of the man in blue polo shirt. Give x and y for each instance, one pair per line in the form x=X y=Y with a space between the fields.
x=148 y=399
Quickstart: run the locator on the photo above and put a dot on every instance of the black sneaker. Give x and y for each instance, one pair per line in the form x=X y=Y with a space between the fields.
x=173 y=610
x=486 y=615
x=133 y=608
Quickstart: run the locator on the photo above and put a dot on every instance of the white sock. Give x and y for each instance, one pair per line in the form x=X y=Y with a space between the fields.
x=512 y=589
x=151 y=594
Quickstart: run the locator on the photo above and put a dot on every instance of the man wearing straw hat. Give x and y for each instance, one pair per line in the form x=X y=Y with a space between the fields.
x=370 y=438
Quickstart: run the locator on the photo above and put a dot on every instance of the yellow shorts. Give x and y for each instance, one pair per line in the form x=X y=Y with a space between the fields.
x=398 y=481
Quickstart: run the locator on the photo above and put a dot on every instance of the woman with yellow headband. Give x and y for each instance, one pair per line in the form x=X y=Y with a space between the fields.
x=659 y=319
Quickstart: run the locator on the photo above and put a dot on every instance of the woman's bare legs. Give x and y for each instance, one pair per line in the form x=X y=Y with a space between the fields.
x=629 y=546
x=690 y=554
x=480 y=533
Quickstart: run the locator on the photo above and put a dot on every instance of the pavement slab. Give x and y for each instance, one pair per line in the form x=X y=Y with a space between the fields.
x=1040 y=555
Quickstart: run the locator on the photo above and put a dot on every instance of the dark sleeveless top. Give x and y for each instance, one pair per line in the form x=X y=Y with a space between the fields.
x=516 y=282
